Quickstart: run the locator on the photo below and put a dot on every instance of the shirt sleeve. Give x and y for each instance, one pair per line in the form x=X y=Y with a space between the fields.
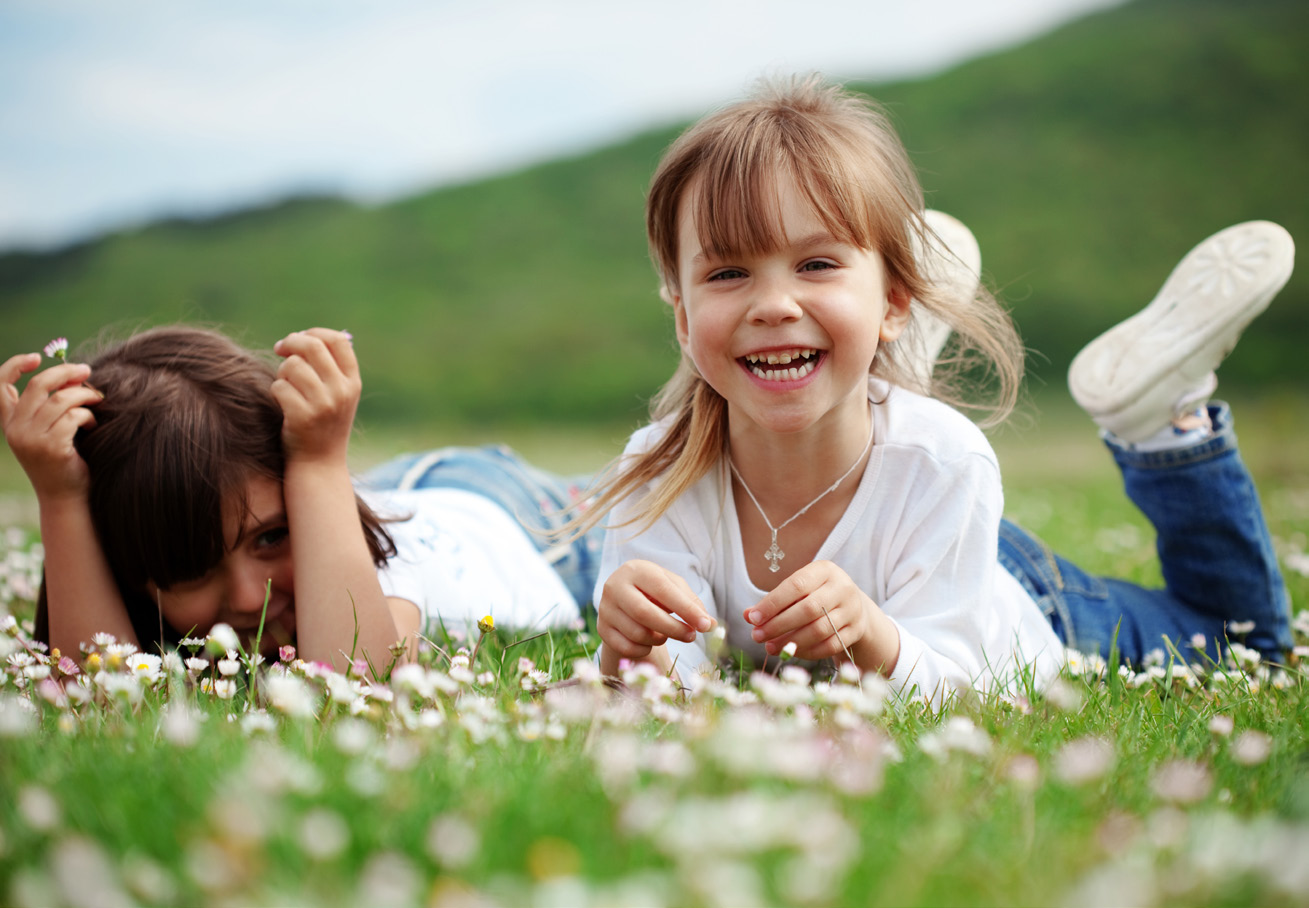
x=679 y=545
x=954 y=632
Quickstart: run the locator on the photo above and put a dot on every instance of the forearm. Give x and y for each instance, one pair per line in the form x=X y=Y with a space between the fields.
x=81 y=595
x=341 y=611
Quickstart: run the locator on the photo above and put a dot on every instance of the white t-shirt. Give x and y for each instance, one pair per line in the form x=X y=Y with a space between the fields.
x=919 y=538
x=460 y=556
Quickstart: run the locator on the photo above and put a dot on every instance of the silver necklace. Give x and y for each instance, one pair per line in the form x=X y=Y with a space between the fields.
x=775 y=554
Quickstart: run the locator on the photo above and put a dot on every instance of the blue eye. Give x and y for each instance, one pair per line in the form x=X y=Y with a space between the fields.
x=817 y=266
x=727 y=274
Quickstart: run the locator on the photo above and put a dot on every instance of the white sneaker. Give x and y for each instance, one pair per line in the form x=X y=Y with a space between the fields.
x=1137 y=376
x=953 y=261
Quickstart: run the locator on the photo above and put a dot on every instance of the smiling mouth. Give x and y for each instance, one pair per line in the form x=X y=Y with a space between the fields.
x=782 y=365
x=282 y=619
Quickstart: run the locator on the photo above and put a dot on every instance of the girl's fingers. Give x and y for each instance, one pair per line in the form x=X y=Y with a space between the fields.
x=311 y=349
x=786 y=594
x=793 y=617
x=322 y=367
x=58 y=404
x=824 y=634
x=42 y=385
x=341 y=344
x=617 y=630
x=632 y=630
x=652 y=614
x=304 y=379
x=295 y=408
x=327 y=351
x=16 y=366
x=60 y=376
x=673 y=595
x=74 y=419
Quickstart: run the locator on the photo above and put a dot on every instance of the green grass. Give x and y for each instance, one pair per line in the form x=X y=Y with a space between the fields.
x=514 y=797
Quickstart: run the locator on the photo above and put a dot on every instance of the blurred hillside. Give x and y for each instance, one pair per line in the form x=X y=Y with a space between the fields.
x=1086 y=162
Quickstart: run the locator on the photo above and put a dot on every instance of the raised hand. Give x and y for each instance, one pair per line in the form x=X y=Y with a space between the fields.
x=39 y=426
x=318 y=389
x=41 y=422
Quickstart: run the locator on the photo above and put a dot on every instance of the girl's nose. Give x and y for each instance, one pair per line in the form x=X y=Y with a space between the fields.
x=249 y=590
x=774 y=301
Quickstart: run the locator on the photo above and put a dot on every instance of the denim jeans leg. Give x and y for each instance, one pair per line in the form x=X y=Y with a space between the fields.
x=537 y=499
x=1098 y=615
x=1215 y=551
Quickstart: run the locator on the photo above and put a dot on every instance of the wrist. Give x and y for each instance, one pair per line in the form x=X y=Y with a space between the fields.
x=879 y=649
x=315 y=469
x=63 y=504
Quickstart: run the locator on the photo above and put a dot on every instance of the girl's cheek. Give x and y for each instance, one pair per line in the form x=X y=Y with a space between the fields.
x=186 y=613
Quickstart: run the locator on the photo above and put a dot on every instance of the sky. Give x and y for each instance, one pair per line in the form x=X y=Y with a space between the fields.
x=115 y=112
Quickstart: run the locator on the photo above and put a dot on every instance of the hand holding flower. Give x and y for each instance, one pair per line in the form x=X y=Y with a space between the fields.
x=825 y=615
x=641 y=608
x=40 y=422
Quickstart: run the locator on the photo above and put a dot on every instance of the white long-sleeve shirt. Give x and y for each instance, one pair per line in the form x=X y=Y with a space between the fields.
x=919 y=538
x=460 y=556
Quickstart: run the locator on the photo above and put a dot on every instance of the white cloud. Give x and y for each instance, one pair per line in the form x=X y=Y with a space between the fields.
x=115 y=114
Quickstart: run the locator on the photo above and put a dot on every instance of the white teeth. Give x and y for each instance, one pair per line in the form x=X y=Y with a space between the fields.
x=795 y=373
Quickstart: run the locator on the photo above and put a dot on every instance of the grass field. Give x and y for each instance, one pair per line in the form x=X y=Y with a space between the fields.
x=469 y=785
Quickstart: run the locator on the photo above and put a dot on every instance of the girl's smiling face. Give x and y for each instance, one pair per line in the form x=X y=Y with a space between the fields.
x=786 y=335
x=257 y=551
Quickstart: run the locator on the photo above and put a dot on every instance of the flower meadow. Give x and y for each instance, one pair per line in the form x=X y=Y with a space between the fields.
x=501 y=769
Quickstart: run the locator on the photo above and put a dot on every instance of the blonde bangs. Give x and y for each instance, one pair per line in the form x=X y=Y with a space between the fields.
x=840 y=150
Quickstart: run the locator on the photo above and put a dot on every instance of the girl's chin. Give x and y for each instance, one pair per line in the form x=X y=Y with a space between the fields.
x=278 y=632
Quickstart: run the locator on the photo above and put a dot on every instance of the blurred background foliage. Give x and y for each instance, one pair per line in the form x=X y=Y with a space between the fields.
x=1086 y=162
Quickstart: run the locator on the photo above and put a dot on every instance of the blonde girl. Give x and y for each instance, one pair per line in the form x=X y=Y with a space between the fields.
x=799 y=485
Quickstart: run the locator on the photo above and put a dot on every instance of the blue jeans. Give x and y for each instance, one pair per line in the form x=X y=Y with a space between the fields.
x=1214 y=549
x=538 y=500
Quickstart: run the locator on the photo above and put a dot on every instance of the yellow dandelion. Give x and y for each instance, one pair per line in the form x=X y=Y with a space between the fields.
x=486 y=625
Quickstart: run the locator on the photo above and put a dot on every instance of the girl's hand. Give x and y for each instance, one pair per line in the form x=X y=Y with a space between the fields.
x=821 y=610
x=40 y=423
x=637 y=609
x=318 y=389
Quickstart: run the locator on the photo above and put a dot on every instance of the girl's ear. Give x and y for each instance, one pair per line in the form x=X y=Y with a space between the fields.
x=674 y=299
x=896 y=316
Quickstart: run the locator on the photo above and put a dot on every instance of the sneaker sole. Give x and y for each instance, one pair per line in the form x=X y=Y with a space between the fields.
x=958 y=269
x=1132 y=378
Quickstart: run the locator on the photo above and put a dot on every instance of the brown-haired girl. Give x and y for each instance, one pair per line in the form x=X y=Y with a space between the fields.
x=183 y=481
x=798 y=483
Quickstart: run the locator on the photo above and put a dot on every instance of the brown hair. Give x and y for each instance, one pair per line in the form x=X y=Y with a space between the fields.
x=846 y=159
x=188 y=419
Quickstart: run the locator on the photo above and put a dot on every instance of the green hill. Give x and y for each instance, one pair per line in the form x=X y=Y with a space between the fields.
x=1086 y=162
